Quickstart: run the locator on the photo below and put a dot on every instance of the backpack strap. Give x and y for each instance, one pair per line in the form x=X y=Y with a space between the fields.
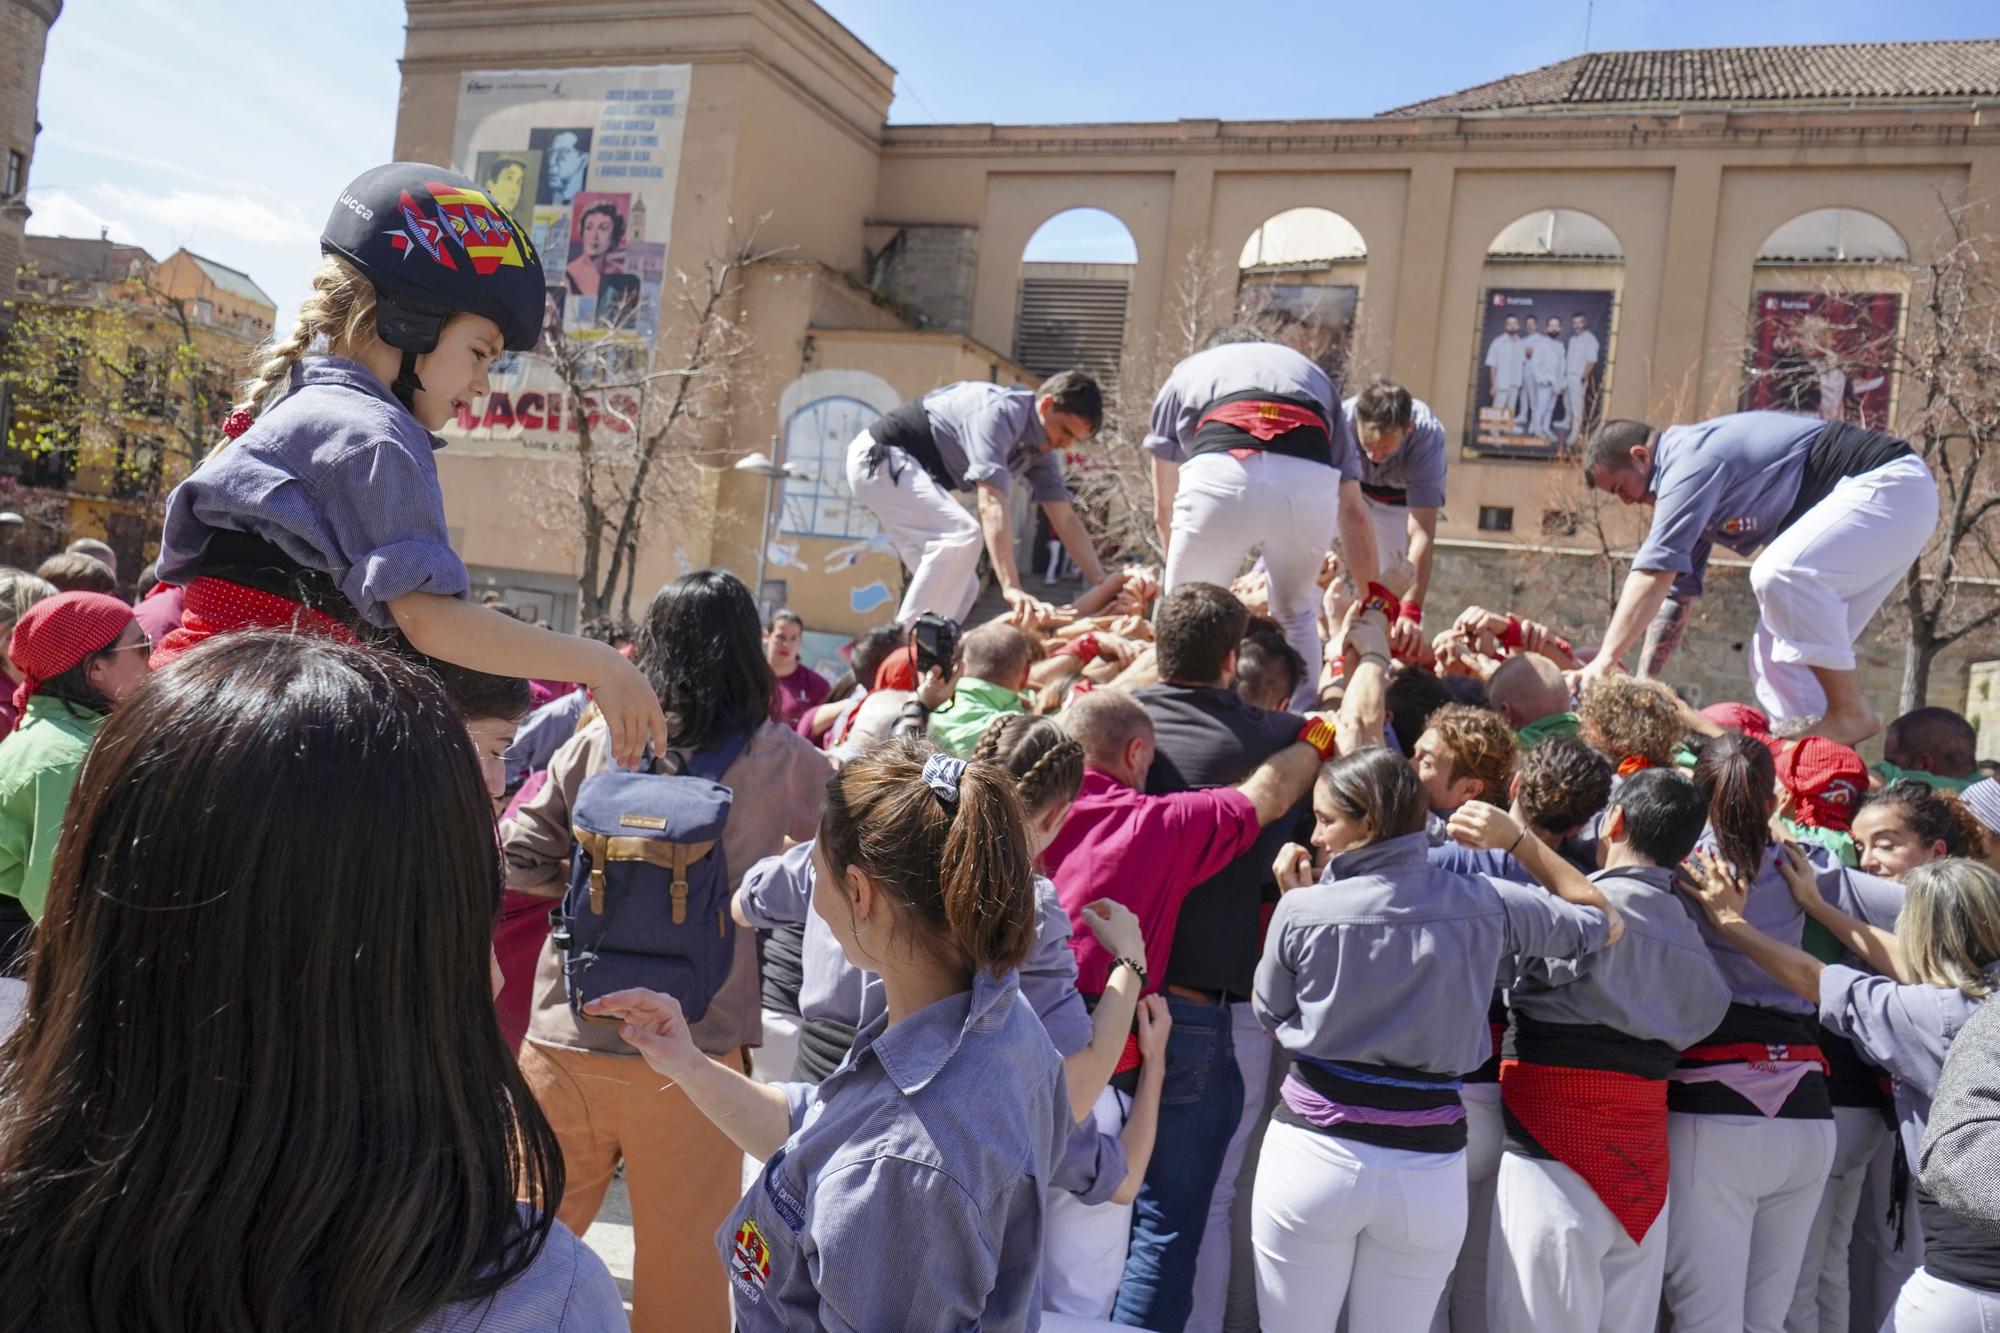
x=714 y=759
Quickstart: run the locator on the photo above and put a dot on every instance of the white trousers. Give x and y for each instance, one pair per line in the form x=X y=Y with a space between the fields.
x=1462 y=1308
x=1510 y=396
x=1083 y=1244
x=1744 y=1192
x=1574 y=397
x=1559 y=1262
x=938 y=540
x=1929 y=1304
x=1392 y=546
x=1290 y=508
x=1820 y=1299
x=1542 y=395
x=1820 y=581
x=1255 y=1049
x=1345 y=1224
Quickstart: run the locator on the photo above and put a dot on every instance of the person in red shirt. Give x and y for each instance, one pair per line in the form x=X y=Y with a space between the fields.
x=1148 y=852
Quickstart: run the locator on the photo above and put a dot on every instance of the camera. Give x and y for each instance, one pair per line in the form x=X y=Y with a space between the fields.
x=935 y=639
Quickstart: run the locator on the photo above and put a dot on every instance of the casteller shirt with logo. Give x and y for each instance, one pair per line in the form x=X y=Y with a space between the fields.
x=1729 y=482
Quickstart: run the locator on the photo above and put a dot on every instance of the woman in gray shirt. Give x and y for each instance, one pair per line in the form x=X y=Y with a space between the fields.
x=907 y=1190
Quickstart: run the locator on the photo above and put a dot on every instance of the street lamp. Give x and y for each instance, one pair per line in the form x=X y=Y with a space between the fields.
x=760 y=464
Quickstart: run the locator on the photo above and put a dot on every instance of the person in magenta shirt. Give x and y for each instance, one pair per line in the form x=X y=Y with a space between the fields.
x=800 y=688
x=1149 y=852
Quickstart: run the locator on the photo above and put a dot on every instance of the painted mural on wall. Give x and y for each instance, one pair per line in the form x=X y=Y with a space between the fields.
x=587 y=160
x=1543 y=359
x=1823 y=355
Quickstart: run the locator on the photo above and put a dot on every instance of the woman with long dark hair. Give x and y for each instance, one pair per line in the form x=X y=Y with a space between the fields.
x=258 y=1085
x=701 y=648
x=1750 y=1125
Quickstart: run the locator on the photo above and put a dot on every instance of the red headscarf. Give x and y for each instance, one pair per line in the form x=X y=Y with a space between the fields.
x=61 y=632
x=1826 y=779
x=1739 y=717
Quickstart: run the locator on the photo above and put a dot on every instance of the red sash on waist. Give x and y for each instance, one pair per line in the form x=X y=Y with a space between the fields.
x=1757 y=1053
x=217 y=606
x=1128 y=1059
x=1608 y=1127
x=1264 y=420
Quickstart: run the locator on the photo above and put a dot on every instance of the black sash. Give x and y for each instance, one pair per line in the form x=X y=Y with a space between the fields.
x=252 y=562
x=1842 y=450
x=1386 y=495
x=823 y=1044
x=1955 y=1249
x=908 y=428
x=1312 y=443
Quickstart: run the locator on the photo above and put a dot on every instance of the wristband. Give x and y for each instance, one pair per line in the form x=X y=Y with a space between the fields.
x=1381 y=599
x=1510 y=638
x=1084 y=646
x=1376 y=658
x=1517 y=839
x=1318 y=733
x=1137 y=967
x=1413 y=612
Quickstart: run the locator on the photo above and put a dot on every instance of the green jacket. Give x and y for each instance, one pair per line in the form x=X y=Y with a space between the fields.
x=1555 y=724
x=956 y=729
x=38 y=766
x=1935 y=781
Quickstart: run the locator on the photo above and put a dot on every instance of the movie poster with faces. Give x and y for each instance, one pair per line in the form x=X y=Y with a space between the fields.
x=1824 y=355
x=1541 y=366
x=586 y=160
x=1315 y=319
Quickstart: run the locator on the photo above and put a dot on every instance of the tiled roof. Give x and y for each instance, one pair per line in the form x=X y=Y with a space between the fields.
x=234 y=281
x=1867 y=71
x=83 y=258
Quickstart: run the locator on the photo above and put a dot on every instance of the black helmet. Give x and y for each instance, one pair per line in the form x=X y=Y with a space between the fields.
x=434 y=244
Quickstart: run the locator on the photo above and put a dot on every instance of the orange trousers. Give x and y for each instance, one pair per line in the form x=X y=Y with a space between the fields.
x=682 y=1173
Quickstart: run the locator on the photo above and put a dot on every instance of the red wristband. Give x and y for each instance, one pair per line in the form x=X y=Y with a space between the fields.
x=1086 y=646
x=1413 y=612
x=1510 y=637
x=1318 y=733
x=1381 y=599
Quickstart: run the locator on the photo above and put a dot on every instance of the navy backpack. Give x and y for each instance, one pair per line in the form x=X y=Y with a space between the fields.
x=648 y=897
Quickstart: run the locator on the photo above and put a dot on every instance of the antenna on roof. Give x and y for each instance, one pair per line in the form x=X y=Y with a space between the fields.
x=1589 y=9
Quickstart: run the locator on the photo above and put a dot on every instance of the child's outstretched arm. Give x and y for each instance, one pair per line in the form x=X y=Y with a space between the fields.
x=481 y=638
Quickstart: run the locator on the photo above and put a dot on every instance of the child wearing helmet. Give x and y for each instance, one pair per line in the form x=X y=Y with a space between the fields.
x=322 y=510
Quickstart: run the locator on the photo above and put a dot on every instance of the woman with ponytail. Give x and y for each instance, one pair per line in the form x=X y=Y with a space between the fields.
x=1750 y=1125
x=907 y=1189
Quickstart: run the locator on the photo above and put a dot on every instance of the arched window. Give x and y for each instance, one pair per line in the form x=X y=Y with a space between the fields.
x=1556 y=233
x=1299 y=280
x=1076 y=277
x=1834 y=236
x=817 y=434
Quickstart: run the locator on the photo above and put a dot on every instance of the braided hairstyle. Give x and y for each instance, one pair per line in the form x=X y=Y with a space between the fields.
x=341 y=309
x=1046 y=761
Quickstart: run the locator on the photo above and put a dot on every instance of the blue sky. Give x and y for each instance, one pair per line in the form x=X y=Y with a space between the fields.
x=228 y=126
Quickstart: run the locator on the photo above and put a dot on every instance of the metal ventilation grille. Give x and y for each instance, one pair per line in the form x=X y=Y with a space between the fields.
x=1070 y=323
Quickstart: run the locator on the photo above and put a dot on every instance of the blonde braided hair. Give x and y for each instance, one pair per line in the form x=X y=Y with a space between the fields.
x=341 y=309
x=1045 y=761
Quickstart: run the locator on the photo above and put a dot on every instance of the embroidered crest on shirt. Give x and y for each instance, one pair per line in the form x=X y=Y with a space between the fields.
x=1739 y=527
x=750 y=1265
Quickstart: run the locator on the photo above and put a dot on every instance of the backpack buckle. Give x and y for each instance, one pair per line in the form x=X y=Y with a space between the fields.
x=596 y=889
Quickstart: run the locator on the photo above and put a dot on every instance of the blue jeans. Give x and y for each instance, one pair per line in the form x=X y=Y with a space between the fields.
x=1199 y=1108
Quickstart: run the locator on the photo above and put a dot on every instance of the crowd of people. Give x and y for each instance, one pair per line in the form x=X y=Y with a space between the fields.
x=1216 y=951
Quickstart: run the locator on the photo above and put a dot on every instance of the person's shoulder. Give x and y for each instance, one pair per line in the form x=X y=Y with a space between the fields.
x=566 y=1287
x=777 y=743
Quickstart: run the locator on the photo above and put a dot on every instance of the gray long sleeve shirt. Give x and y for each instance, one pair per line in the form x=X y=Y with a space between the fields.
x=1390 y=960
x=990 y=433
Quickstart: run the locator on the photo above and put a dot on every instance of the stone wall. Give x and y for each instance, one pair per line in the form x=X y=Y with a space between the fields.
x=24 y=30
x=926 y=269
x=1569 y=590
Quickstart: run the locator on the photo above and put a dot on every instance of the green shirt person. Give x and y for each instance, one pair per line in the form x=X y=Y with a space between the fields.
x=995 y=658
x=80 y=652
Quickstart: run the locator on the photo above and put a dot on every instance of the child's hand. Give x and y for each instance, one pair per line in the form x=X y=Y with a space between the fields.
x=654 y=1025
x=630 y=708
x=1155 y=1022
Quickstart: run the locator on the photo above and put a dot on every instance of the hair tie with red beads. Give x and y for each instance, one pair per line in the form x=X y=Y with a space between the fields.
x=236 y=423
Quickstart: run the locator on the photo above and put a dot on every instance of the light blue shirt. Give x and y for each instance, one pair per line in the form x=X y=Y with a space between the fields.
x=1727 y=482
x=986 y=432
x=1417 y=466
x=566 y=1289
x=910 y=1194
x=340 y=477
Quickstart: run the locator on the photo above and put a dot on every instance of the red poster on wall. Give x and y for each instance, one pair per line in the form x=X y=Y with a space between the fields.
x=1823 y=355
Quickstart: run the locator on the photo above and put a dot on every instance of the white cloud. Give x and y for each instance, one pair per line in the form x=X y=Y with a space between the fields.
x=57 y=213
x=197 y=217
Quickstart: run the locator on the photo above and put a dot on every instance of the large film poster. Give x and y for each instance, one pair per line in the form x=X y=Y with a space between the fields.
x=1823 y=355
x=1539 y=377
x=587 y=160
